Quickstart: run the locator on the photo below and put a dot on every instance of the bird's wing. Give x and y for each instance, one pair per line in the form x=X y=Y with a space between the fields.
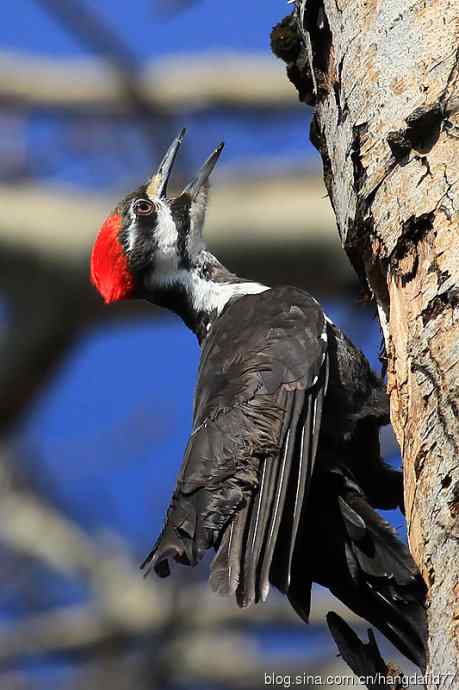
x=249 y=462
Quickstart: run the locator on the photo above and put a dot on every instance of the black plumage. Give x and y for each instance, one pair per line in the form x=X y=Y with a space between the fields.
x=363 y=658
x=283 y=470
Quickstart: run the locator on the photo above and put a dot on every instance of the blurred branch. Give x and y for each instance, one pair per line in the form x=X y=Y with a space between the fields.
x=168 y=85
x=47 y=303
x=86 y=630
x=124 y=596
x=210 y=635
x=72 y=630
x=126 y=605
x=205 y=657
x=63 y=225
x=80 y=20
x=85 y=24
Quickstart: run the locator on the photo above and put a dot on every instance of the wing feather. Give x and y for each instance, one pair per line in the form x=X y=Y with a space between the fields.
x=286 y=544
x=225 y=567
x=248 y=466
x=280 y=489
x=256 y=533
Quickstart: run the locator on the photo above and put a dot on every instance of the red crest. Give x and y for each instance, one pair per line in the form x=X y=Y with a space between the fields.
x=109 y=266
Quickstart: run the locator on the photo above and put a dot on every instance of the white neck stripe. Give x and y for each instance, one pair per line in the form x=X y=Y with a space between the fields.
x=206 y=295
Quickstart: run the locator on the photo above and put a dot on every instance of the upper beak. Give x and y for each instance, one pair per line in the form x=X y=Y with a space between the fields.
x=203 y=175
x=157 y=186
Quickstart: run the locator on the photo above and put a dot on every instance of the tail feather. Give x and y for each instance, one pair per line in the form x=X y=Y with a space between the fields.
x=359 y=557
x=363 y=658
x=341 y=543
x=391 y=550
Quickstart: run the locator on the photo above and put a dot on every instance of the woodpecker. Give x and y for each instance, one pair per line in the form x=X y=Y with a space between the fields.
x=282 y=472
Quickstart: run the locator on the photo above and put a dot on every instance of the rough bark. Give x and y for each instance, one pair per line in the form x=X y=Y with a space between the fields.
x=383 y=77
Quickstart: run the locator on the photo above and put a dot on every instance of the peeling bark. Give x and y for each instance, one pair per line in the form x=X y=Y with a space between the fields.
x=383 y=77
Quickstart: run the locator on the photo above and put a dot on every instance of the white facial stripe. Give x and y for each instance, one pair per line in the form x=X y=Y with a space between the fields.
x=131 y=230
x=197 y=215
x=166 y=235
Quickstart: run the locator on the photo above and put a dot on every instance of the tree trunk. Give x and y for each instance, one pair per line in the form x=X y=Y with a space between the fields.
x=383 y=77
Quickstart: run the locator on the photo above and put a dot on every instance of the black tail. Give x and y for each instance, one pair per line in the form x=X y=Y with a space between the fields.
x=351 y=550
x=362 y=657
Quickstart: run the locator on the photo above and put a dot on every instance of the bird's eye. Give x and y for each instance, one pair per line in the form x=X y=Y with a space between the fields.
x=143 y=207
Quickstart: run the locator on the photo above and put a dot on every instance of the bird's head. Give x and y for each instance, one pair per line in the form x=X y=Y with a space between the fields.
x=150 y=238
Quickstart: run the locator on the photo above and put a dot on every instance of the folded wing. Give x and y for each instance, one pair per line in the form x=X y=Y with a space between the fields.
x=247 y=469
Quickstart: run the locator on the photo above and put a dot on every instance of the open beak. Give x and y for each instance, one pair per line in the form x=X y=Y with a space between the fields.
x=157 y=187
x=203 y=175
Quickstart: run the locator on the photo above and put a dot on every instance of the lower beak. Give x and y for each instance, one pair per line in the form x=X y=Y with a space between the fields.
x=204 y=173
